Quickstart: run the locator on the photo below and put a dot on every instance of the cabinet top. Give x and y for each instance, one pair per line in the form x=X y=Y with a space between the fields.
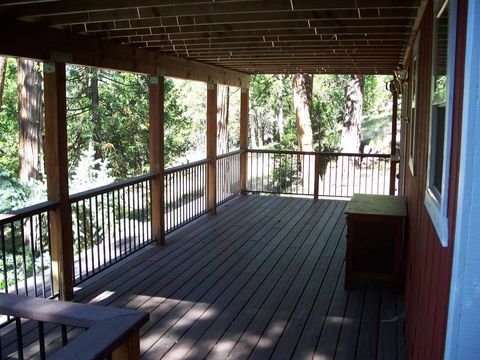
x=377 y=205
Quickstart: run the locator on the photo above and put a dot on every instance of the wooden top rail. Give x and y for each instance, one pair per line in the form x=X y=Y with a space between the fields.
x=15 y=215
x=268 y=151
x=231 y=153
x=108 y=328
x=187 y=166
x=110 y=187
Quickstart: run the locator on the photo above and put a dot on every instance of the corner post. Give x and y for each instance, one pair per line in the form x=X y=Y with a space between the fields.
x=56 y=164
x=244 y=110
x=156 y=142
x=212 y=148
x=393 y=145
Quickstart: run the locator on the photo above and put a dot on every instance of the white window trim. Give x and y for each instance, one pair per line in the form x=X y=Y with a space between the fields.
x=438 y=209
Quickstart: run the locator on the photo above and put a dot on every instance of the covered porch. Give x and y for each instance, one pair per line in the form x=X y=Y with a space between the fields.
x=264 y=278
x=259 y=276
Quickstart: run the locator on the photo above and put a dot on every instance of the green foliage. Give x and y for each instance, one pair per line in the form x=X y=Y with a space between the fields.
x=16 y=194
x=121 y=134
x=177 y=126
x=9 y=161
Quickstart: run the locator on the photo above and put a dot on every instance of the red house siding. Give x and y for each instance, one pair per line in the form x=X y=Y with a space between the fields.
x=428 y=264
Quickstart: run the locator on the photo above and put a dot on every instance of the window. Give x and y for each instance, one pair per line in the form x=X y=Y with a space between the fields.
x=413 y=115
x=443 y=57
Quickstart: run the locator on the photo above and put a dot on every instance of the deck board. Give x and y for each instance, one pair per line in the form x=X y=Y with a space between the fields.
x=262 y=279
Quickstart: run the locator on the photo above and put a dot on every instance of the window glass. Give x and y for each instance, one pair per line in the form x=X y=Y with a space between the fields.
x=439 y=97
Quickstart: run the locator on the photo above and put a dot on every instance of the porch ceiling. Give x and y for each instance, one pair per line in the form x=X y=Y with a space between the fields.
x=251 y=36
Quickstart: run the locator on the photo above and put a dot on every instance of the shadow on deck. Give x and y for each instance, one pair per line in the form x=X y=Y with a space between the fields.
x=262 y=279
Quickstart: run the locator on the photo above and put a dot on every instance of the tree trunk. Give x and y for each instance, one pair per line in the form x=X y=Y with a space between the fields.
x=253 y=129
x=280 y=119
x=352 y=123
x=30 y=110
x=223 y=100
x=302 y=85
x=302 y=100
x=97 y=126
x=3 y=71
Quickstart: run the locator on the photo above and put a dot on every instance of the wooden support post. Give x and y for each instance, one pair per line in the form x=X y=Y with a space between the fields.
x=244 y=111
x=212 y=147
x=393 y=148
x=130 y=349
x=56 y=164
x=156 y=140
x=316 y=174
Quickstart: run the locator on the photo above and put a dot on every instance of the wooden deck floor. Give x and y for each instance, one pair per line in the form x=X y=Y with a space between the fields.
x=262 y=279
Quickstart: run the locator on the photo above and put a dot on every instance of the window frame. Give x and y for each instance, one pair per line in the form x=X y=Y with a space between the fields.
x=437 y=202
x=412 y=134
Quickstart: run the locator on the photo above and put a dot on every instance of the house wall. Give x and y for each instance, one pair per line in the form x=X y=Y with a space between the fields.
x=428 y=263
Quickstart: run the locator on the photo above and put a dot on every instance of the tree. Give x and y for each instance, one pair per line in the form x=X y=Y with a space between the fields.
x=223 y=102
x=280 y=119
x=302 y=85
x=30 y=111
x=302 y=99
x=351 y=131
x=96 y=121
x=3 y=71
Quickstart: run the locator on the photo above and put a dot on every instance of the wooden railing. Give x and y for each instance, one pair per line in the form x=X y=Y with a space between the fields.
x=318 y=174
x=110 y=223
x=185 y=194
x=64 y=330
x=228 y=176
x=25 y=263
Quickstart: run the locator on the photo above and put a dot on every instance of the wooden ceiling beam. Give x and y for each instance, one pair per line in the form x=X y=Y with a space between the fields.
x=36 y=8
x=252 y=7
x=22 y=39
x=291 y=54
x=287 y=47
x=228 y=19
x=256 y=42
x=151 y=42
x=270 y=34
x=416 y=24
x=163 y=40
x=30 y=3
x=339 y=70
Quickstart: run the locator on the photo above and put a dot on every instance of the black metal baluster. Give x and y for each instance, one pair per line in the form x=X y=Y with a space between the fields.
x=97 y=233
x=4 y=259
x=14 y=255
x=385 y=175
x=78 y=242
x=90 y=217
x=18 y=328
x=1 y=347
x=378 y=176
x=124 y=224
x=129 y=218
x=142 y=209
x=41 y=339
x=42 y=264
x=64 y=335
x=34 y=270
x=114 y=226
x=85 y=239
x=24 y=258
x=150 y=207
x=50 y=254
x=109 y=230
x=103 y=232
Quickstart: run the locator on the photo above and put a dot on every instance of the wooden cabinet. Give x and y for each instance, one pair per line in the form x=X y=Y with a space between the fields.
x=375 y=236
